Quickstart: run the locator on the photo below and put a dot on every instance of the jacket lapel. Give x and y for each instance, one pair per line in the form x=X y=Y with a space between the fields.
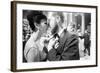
x=62 y=42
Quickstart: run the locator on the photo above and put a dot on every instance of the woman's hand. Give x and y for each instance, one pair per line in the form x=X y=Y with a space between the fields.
x=43 y=42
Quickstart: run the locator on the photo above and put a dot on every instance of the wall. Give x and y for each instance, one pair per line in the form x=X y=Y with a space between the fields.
x=5 y=36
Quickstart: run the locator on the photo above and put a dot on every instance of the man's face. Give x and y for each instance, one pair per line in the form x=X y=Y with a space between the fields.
x=58 y=21
x=52 y=22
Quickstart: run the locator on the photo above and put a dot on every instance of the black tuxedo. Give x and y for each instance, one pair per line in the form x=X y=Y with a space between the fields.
x=67 y=50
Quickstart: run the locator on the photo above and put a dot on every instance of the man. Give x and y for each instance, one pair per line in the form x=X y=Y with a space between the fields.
x=64 y=47
x=87 y=42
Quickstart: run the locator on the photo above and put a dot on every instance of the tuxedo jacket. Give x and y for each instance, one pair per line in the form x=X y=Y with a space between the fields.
x=68 y=49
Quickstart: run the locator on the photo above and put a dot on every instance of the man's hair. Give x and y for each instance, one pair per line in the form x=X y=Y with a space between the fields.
x=60 y=14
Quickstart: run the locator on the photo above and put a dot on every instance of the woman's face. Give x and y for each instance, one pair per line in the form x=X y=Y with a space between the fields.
x=43 y=26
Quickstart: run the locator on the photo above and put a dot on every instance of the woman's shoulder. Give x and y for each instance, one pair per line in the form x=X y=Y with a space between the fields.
x=29 y=45
x=31 y=42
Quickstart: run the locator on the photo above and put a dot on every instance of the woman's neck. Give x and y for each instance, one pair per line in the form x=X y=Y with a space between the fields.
x=36 y=35
x=39 y=34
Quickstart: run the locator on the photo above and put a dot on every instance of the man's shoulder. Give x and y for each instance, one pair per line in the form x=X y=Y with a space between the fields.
x=72 y=36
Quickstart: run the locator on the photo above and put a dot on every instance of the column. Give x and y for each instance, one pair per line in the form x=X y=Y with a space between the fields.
x=65 y=19
x=83 y=23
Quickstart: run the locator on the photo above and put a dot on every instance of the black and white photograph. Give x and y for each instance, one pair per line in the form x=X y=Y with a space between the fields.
x=56 y=36
x=53 y=36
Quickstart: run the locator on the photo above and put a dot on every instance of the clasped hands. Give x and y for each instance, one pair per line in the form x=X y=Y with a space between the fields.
x=49 y=43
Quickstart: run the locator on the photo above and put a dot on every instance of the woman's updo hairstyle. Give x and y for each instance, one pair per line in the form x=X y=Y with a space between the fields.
x=40 y=17
x=32 y=17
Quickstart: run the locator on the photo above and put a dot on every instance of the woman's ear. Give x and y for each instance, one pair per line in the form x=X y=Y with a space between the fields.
x=36 y=25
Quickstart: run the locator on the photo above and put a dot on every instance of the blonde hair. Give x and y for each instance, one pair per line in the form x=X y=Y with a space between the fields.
x=60 y=14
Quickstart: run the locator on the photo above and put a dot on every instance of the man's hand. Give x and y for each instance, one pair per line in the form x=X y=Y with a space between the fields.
x=52 y=42
x=56 y=45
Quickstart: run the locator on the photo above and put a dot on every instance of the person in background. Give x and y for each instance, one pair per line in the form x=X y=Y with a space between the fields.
x=87 y=42
x=33 y=51
x=65 y=45
x=72 y=28
x=81 y=43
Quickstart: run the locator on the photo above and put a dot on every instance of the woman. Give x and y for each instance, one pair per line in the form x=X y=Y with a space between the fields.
x=64 y=47
x=33 y=51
